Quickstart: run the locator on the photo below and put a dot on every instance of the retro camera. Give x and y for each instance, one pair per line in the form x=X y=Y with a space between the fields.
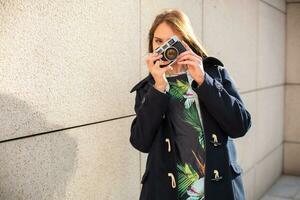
x=170 y=50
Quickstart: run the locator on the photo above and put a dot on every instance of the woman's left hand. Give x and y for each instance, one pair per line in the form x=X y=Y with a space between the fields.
x=193 y=62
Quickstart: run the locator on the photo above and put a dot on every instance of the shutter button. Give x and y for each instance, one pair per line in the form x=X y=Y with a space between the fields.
x=219 y=86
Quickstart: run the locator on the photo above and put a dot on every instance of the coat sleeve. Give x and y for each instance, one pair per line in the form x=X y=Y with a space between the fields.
x=149 y=109
x=224 y=103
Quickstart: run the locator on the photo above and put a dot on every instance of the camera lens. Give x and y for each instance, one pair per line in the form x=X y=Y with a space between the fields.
x=171 y=53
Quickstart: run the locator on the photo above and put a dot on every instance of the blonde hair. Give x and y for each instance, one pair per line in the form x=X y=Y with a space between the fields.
x=179 y=22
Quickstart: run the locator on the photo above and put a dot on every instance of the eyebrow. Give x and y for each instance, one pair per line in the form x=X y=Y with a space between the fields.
x=158 y=38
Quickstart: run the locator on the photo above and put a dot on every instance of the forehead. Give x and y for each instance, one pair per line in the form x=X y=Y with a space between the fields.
x=165 y=32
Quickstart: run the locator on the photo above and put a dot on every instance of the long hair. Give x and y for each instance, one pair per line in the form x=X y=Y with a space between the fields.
x=179 y=22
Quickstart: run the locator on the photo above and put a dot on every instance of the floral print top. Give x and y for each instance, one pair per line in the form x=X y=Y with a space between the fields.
x=184 y=112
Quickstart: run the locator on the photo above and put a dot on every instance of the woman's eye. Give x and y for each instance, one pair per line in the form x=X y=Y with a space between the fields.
x=157 y=41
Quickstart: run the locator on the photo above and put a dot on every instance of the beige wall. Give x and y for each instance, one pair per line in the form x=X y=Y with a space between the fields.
x=66 y=71
x=292 y=92
x=66 y=67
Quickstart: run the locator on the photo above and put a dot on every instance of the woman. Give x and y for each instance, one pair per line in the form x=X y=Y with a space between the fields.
x=187 y=115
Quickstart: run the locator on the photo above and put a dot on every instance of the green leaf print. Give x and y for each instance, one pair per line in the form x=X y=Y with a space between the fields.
x=186 y=177
x=201 y=140
x=191 y=116
x=178 y=89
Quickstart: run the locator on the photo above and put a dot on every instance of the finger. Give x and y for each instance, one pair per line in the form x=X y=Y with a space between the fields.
x=189 y=49
x=158 y=63
x=150 y=55
x=151 y=59
x=162 y=62
x=153 y=56
x=168 y=68
x=186 y=53
x=188 y=62
x=189 y=57
x=183 y=53
x=186 y=45
x=157 y=57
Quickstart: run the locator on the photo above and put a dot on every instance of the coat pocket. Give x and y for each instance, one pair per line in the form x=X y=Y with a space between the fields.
x=238 y=189
x=236 y=169
x=145 y=176
x=237 y=183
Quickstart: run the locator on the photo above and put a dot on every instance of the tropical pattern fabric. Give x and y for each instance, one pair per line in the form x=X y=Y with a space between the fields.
x=184 y=111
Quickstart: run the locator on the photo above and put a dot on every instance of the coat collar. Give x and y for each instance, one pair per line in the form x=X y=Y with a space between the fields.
x=207 y=61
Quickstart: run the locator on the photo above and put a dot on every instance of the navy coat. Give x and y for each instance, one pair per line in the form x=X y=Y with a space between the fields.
x=224 y=118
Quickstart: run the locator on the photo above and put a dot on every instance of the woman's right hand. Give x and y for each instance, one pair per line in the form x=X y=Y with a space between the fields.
x=156 y=71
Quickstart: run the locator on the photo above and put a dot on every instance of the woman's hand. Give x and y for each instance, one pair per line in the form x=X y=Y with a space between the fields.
x=193 y=62
x=156 y=71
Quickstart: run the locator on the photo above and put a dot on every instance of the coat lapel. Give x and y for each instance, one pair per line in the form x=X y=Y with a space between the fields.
x=147 y=79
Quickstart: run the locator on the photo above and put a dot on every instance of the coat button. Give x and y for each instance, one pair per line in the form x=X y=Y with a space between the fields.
x=173 y=182
x=217 y=177
x=219 y=86
x=169 y=144
x=164 y=116
x=215 y=141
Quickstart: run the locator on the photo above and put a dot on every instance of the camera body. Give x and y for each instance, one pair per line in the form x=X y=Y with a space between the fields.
x=171 y=49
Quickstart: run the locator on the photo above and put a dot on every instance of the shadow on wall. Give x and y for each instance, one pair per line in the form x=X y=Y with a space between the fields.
x=37 y=167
